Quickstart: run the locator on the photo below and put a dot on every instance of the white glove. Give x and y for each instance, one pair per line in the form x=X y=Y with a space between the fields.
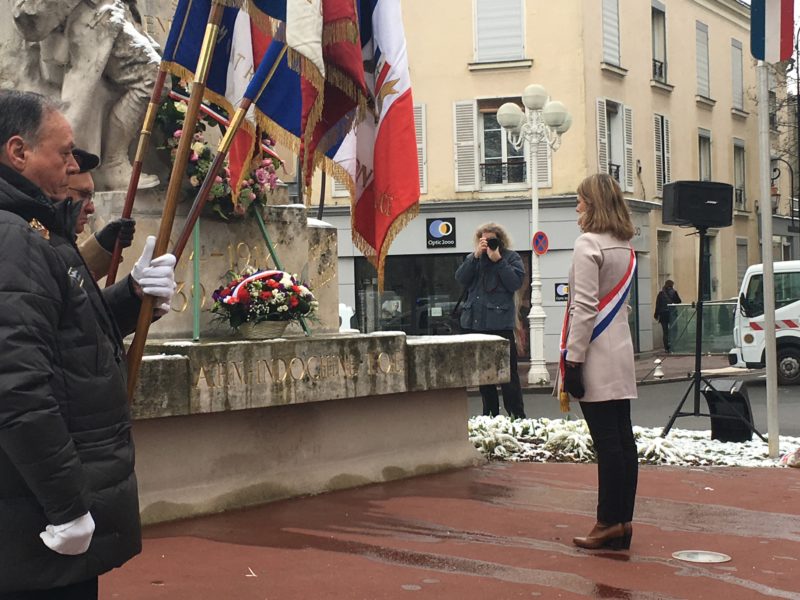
x=70 y=538
x=155 y=276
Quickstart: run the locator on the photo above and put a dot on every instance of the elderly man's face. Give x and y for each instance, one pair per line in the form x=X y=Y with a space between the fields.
x=81 y=189
x=48 y=161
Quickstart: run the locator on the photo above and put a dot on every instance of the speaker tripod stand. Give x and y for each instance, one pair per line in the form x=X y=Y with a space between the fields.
x=697 y=376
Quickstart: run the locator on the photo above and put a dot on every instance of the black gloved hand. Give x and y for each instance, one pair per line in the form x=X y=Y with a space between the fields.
x=122 y=229
x=573 y=380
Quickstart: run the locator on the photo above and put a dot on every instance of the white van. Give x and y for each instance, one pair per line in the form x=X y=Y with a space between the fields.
x=748 y=331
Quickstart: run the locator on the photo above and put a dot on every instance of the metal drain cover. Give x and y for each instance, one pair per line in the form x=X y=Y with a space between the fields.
x=701 y=556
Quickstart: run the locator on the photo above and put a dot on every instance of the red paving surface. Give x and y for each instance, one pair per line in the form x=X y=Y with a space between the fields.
x=498 y=531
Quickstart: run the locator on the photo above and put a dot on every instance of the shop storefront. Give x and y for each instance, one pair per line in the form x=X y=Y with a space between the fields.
x=420 y=290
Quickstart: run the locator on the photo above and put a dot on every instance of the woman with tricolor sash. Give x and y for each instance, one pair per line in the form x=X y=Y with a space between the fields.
x=597 y=365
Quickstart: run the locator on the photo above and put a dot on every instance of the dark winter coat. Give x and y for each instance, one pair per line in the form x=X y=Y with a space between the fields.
x=664 y=298
x=65 y=430
x=490 y=291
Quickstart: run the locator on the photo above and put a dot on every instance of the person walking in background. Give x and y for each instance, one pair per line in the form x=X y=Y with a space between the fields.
x=665 y=314
x=491 y=274
x=597 y=364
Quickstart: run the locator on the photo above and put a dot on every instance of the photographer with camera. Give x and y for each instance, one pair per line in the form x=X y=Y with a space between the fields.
x=491 y=275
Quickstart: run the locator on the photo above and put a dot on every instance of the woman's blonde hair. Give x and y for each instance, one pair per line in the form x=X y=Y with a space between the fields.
x=505 y=239
x=605 y=208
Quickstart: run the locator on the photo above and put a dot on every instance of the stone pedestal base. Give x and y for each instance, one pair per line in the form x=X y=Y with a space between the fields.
x=220 y=425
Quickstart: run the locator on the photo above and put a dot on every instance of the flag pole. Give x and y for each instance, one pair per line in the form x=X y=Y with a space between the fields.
x=133 y=183
x=136 y=350
x=216 y=165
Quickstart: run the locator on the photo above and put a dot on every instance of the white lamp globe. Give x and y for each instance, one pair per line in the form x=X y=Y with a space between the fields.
x=534 y=96
x=564 y=127
x=510 y=116
x=554 y=113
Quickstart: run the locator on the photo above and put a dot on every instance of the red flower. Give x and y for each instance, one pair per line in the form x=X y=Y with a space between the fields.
x=266 y=295
x=272 y=283
x=243 y=295
x=296 y=289
x=293 y=301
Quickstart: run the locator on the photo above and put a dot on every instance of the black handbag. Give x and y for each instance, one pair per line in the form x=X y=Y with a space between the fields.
x=455 y=314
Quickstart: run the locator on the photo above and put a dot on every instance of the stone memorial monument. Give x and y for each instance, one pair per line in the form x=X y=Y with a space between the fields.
x=96 y=57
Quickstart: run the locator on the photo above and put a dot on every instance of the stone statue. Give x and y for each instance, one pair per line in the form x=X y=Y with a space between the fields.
x=96 y=57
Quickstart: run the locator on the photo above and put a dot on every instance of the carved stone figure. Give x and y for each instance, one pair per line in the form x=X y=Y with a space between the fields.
x=94 y=55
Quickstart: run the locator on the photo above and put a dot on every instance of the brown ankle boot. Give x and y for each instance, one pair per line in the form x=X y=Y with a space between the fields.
x=604 y=536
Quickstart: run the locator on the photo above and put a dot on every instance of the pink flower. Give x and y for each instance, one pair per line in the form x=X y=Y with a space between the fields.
x=261 y=176
x=178 y=133
x=217 y=179
x=238 y=209
x=193 y=157
x=252 y=196
x=197 y=137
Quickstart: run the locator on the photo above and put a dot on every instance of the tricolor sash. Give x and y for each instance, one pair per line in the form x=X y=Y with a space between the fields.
x=607 y=309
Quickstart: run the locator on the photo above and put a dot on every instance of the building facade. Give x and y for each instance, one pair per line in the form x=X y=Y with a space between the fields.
x=658 y=92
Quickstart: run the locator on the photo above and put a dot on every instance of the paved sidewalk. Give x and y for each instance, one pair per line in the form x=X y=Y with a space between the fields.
x=676 y=367
x=499 y=531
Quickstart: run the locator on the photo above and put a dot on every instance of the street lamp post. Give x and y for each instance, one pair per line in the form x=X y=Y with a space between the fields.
x=541 y=124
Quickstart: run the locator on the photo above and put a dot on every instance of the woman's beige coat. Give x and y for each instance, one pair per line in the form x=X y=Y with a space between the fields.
x=598 y=263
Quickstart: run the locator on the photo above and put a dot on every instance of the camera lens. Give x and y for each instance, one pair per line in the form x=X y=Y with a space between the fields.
x=493 y=243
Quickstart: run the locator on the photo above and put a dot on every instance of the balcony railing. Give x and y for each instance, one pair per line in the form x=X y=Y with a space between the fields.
x=659 y=71
x=614 y=170
x=499 y=173
x=739 y=198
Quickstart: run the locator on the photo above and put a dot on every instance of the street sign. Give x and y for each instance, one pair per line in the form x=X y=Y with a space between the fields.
x=771 y=29
x=540 y=243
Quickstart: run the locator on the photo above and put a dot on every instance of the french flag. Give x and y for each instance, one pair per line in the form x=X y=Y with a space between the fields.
x=771 y=29
x=380 y=153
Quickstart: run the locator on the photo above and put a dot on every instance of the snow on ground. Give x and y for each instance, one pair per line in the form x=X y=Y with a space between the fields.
x=560 y=440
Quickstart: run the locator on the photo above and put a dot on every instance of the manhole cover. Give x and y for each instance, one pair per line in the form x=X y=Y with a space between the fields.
x=701 y=556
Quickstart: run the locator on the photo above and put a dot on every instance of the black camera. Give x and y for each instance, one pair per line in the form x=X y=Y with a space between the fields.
x=493 y=243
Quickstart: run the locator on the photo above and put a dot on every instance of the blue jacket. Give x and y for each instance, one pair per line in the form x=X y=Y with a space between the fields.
x=490 y=291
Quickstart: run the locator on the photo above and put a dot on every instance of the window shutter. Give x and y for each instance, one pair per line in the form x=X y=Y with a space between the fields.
x=736 y=66
x=611 y=32
x=466 y=148
x=339 y=189
x=703 y=85
x=667 y=151
x=545 y=165
x=628 y=124
x=659 y=139
x=602 y=137
x=499 y=29
x=420 y=127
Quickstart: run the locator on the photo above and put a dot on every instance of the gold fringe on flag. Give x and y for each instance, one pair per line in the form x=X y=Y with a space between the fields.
x=342 y=30
x=378 y=259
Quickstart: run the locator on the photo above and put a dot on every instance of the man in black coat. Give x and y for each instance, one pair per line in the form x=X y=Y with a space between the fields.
x=665 y=313
x=68 y=497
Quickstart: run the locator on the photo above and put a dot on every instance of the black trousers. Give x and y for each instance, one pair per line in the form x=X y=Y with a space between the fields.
x=665 y=326
x=617 y=460
x=512 y=391
x=85 y=590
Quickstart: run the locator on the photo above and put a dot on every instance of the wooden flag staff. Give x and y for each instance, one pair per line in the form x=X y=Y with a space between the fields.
x=219 y=160
x=133 y=184
x=136 y=349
